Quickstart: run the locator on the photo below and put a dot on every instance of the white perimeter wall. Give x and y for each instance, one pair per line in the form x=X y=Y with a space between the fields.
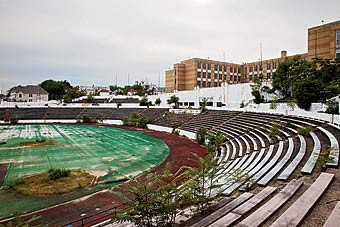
x=229 y=94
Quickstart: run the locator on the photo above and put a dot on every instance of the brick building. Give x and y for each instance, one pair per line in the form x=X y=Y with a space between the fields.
x=323 y=41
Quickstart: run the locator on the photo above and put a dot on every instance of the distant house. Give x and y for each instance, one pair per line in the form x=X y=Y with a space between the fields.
x=29 y=93
x=104 y=92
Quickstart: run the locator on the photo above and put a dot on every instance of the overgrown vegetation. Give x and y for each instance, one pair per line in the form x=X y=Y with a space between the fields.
x=256 y=90
x=14 y=121
x=137 y=120
x=291 y=105
x=307 y=81
x=153 y=201
x=242 y=104
x=274 y=132
x=200 y=135
x=305 y=130
x=139 y=88
x=273 y=104
x=87 y=119
x=214 y=141
x=204 y=105
x=53 y=182
x=145 y=102
x=173 y=100
x=175 y=132
x=158 y=101
x=323 y=159
x=55 y=174
x=332 y=107
x=157 y=199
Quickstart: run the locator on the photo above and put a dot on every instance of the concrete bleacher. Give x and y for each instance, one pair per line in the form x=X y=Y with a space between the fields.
x=173 y=120
x=24 y=113
x=62 y=113
x=249 y=152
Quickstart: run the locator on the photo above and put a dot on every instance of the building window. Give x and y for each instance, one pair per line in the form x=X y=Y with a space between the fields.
x=209 y=75
x=209 y=67
x=198 y=65
x=215 y=76
x=199 y=83
x=239 y=70
x=338 y=38
x=215 y=84
x=255 y=67
x=204 y=66
x=30 y=100
x=220 y=77
x=225 y=77
x=251 y=69
x=203 y=83
x=250 y=77
x=268 y=76
x=274 y=65
x=198 y=74
x=204 y=74
x=20 y=95
x=209 y=84
x=268 y=66
x=337 y=56
x=231 y=69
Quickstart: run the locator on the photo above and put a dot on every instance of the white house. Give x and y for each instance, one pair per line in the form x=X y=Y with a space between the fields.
x=29 y=93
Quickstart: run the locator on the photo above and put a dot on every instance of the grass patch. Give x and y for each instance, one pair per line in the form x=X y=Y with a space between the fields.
x=41 y=185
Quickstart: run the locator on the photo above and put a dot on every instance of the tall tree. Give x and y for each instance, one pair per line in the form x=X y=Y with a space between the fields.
x=56 y=89
x=173 y=100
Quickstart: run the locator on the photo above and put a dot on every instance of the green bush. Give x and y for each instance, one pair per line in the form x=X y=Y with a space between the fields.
x=242 y=104
x=305 y=130
x=136 y=120
x=332 y=107
x=201 y=134
x=14 y=121
x=175 y=132
x=87 y=119
x=54 y=174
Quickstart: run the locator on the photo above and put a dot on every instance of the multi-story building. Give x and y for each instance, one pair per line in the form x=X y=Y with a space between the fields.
x=29 y=93
x=323 y=41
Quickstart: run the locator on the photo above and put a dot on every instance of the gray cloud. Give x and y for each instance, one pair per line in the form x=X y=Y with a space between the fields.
x=89 y=42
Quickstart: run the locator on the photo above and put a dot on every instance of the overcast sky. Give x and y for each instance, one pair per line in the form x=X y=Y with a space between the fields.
x=88 y=42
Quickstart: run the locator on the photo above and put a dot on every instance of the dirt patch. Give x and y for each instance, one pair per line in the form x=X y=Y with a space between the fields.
x=37 y=143
x=40 y=185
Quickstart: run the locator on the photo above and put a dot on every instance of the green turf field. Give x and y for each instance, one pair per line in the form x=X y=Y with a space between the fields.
x=104 y=151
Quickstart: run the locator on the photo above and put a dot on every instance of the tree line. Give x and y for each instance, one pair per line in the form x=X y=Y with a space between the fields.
x=303 y=81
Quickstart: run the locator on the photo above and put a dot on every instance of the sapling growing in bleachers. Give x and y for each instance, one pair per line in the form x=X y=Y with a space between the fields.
x=201 y=135
x=323 y=159
x=305 y=130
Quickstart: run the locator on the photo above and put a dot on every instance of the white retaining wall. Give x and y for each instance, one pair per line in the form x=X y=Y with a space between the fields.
x=169 y=130
x=229 y=94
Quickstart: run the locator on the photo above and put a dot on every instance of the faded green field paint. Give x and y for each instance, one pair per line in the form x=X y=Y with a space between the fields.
x=105 y=151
